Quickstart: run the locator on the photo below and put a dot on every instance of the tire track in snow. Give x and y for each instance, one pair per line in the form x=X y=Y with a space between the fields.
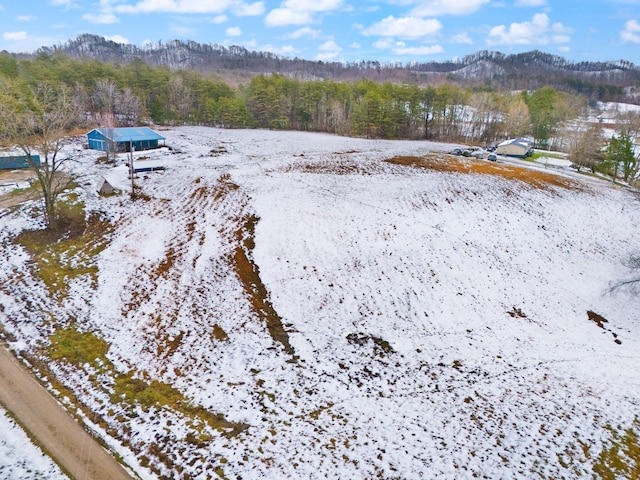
x=210 y=239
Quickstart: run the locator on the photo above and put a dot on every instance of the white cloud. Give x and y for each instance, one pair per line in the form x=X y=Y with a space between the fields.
x=299 y=12
x=305 y=32
x=631 y=32
x=424 y=50
x=63 y=3
x=329 y=50
x=26 y=18
x=103 y=18
x=405 y=27
x=538 y=31
x=313 y=5
x=249 y=9
x=530 y=3
x=519 y=33
x=564 y=49
x=560 y=38
x=233 y=32
x=279 y=17
x=560 y=33
x=14 y=36
x=219 y=19
x=285 y=50
x=401 y=48
x=462 y=38
x=176 y=6
x=117 y=39
x=383 y=44
x=24 y=42
x=435 y=8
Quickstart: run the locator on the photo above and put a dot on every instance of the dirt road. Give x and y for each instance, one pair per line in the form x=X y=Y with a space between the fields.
x=61 y=436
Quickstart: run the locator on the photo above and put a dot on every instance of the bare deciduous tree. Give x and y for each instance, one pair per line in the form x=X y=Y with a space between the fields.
x=586 y=147
x=128 y=107
x=38 y=124
x=180 y=97
x=517 y=119
x=632 y=282
x=108 y=122
x=104 y=96
x=629 y=122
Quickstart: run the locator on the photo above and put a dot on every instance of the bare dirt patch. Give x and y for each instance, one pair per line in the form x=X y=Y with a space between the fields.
x=600 y=321
x=8 y=177
x=12 y=178
x=534 y=178
x=335 y=164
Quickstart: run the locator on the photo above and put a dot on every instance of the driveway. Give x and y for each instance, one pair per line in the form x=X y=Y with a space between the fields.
x=51 y=426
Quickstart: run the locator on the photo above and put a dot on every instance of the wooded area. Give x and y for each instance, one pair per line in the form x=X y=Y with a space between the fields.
x=137 y=92
x=113 y=94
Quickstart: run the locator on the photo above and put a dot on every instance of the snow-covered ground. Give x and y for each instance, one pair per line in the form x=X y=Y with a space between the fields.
x=436 y=322
x=19 y=458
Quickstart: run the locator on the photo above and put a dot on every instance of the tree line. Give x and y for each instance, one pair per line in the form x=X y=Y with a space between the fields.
x=136 y=92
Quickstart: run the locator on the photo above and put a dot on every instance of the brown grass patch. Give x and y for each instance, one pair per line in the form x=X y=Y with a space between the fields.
x=534 y=178
x=249 y=275
x=68 y=249
x=336 y=169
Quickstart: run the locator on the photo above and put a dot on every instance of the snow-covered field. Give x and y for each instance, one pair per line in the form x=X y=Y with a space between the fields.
x=358 y=319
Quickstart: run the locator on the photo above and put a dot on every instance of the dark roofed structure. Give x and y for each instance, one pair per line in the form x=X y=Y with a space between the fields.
x=124 y=139
x=18 y=161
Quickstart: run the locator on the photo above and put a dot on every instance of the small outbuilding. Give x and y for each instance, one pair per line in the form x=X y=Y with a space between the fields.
x=124 y=139
x=516 y=147
x=12 y=162
x=103 y=187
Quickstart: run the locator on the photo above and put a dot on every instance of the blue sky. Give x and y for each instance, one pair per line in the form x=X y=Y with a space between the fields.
x=341 y=30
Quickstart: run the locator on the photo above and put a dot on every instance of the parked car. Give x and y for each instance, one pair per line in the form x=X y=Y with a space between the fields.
x=456 y=151
x=492 y=157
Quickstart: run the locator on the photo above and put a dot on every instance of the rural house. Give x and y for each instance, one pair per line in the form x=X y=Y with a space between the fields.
x=516 y=147
x=124 y=139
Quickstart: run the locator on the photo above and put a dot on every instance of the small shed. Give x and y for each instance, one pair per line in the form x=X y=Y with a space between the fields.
x=124 y=139
x=18 y=161
x=516 y=147
x=103 y=187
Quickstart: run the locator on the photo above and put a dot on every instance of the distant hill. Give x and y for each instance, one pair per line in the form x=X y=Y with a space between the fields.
x=615 y=80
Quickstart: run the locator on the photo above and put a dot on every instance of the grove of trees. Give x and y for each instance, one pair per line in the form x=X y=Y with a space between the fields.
x=105 y=93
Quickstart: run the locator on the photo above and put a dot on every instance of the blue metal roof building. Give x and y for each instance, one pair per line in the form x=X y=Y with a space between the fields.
x=124 y=139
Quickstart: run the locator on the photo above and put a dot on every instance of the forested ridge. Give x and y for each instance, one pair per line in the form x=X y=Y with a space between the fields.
x=528 y=70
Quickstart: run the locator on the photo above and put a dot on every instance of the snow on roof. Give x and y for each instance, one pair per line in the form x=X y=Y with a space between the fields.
x=525 y=142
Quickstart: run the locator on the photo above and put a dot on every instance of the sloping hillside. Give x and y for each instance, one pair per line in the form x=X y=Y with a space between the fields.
x=296 y=305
